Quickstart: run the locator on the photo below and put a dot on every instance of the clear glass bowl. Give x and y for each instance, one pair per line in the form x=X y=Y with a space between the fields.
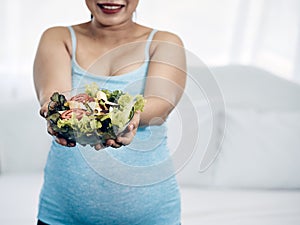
x=86 y=120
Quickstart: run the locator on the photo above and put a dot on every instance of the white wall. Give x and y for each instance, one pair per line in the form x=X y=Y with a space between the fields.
x=265 y=33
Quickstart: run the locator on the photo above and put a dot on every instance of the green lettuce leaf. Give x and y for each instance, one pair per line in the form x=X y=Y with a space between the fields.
x=92 y=89
x=139 y=103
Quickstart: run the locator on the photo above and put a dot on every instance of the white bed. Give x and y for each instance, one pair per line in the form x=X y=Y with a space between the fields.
x=240 y=207
x=209 y=206
x=253 y=181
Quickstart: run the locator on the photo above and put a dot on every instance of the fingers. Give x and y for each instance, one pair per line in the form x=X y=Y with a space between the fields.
x=134 y=123
x=64 y=142
x=42 y=113
x=59 y=140
x=44 y=110
x=113 y=143
x=98 y=147
x=124 y=139
x=50 y=130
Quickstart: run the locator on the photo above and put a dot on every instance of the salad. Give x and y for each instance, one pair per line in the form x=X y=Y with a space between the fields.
x=93 y=115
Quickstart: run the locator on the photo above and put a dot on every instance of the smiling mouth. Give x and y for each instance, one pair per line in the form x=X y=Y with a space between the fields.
x=110 y=7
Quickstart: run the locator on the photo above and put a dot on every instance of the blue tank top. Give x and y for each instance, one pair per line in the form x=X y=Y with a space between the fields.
x=134 y=184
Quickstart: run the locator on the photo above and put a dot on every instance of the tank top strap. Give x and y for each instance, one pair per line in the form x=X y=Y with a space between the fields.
x=147 y=47
x=148 y=44
x=74 y=41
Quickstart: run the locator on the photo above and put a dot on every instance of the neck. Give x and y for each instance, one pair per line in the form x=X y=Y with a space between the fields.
x=113 y=32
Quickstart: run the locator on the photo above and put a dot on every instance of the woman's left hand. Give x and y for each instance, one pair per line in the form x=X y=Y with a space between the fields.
x=126 y=137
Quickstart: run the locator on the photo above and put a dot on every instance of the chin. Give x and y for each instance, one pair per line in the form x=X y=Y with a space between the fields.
x=111 y=21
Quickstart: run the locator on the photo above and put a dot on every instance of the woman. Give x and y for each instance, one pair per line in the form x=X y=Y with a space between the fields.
x=117 y=53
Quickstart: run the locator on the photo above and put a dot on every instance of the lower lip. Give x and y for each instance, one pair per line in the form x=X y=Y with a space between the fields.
x=111 y=11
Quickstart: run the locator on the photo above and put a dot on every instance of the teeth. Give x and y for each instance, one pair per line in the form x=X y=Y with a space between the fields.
x=111 y=7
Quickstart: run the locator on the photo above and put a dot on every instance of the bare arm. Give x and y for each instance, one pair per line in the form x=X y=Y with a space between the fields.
x=166 y=79
x=164 y=86
x=52 y=70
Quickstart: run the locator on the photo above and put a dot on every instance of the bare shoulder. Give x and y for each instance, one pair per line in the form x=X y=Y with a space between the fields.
x=56 y=38
x=55 y=33
x=168 y=37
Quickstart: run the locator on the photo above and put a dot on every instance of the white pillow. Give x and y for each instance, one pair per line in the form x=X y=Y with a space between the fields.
x=260 y=150
x=194 y=139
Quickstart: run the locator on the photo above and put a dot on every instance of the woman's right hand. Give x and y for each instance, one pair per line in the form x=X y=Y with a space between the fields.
x=59 y=140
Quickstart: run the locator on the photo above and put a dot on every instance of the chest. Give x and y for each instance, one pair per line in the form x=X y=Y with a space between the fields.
x=100 y=59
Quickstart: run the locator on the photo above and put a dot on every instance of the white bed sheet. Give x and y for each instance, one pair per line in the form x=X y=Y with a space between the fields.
x=240 y=207
x=19 y=199
x=19 y=194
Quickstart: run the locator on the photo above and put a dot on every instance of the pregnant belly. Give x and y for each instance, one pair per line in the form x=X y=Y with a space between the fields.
x=73 y=191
